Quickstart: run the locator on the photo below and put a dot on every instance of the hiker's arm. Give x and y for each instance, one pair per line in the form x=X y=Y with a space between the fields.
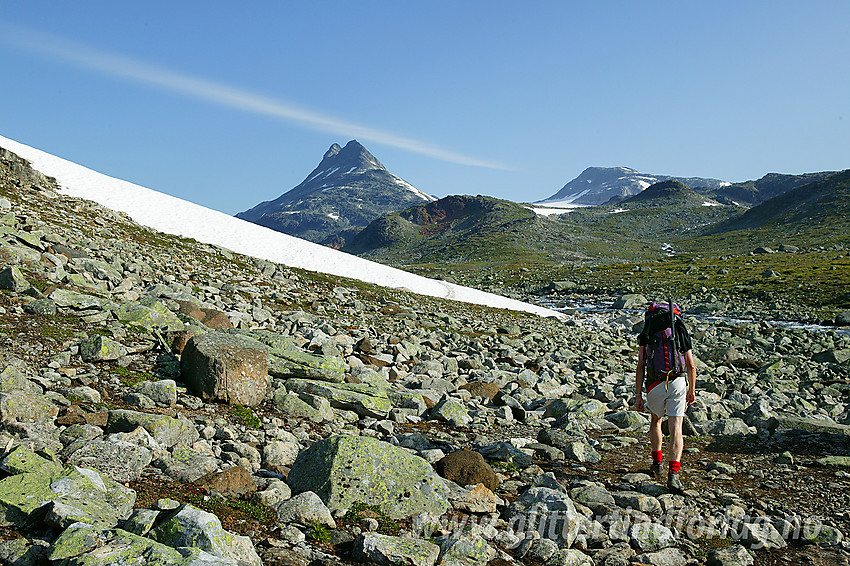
x=639 y=379
x=692 y=377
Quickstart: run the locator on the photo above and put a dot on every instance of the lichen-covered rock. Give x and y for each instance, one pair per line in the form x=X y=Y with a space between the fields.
x=291 y=404
x=120 y=460
x=84 y=545
x=451 y=411
x=550 y=512
x=20 y=552
x=344 y=469
x=506 y=452
x=22 y=406
x=226 y=367
x=762 y=534
x=574 y=409
x=163 y=391
x=391 y=551
x=13 y=279
x=75 y=494
x=305 y=508
x=191 y=527
x=101 y=349
x=465 y=549
x=650 y=537
x=22 y=460
x=13 y=379
x=166 y=430
x=156 y=315
x=365 y=400
x=294 y=363
x=186 y=465
x=735 y=555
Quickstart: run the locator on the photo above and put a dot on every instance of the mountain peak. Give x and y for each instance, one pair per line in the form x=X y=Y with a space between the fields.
x=598 y=185
x=348 y=190
x=332 y=151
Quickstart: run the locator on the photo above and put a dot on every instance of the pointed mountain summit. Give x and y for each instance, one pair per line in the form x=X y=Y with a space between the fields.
x=349 y=189
x=599 y=185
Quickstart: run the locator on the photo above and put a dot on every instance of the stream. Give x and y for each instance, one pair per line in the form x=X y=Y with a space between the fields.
x=588 y=306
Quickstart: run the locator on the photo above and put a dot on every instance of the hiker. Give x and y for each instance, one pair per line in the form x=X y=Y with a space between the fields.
x=663 y=361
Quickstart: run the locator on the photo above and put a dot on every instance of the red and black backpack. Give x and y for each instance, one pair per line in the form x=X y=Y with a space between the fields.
x=665 y=356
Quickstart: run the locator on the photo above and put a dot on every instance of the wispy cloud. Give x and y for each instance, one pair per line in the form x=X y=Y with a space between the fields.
x=218 y=93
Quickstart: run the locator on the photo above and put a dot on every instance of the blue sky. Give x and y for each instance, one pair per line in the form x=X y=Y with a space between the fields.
x=229 y=105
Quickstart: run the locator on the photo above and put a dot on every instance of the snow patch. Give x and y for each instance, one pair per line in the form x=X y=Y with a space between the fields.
x=618 y=210
x=333 y=216
x=546 y=211
x=708 y=203
x=182 y=218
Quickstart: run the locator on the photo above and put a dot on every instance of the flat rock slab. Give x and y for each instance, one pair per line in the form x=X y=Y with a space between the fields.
x=365 y=400
x=167 y=431
x=85 y=545
x=346 y=469
x=75 y=494
x=120 y=460
x=191 y=527
x=220 y=366
x=389 y=551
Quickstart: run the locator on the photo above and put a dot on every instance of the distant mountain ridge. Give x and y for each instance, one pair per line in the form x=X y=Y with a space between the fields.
x=601 y=185
x=808 y=211
x=340 y=197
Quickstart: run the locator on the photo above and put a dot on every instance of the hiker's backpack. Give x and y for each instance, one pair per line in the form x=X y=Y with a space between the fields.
x=664 y=357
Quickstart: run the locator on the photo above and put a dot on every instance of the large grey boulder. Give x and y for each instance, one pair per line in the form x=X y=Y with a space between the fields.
x=548 y=511
x=294 y=363
x=650 y=537
x=86 y=545
x=191 y=527
x=630 y=301
x=72 y=494
x=785 y=422
x=13 y=279
x=167 y=431
x=365 y=400
x=148 y=317
x=101 y=349
x=163 y=391
x=345 y=469
x=392 y=551
x=22 y=406
x=307 y=509
x=120 y=460
x=735 y=555
x=574 y=408
x=220 y=366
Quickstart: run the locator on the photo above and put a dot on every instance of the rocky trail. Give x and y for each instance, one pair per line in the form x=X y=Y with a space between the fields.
x=163 y=401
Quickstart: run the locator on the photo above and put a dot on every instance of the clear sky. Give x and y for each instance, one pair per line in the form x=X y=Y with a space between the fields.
x=229 y=104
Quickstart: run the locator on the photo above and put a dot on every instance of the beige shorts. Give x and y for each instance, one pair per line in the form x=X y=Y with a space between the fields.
x=673 y=398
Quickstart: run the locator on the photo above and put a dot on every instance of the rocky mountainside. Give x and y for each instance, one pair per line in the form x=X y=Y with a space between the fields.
x=751 y=193
x=166 y=402
x=809 y=213
x=341 y=196
x=600 y=185
x=458 y=230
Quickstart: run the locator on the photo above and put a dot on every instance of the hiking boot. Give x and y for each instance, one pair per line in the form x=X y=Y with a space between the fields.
x=655 y=471
x=674 y=484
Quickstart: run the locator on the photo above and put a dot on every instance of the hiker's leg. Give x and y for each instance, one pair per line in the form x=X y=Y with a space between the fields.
x=677 y=443
x=656 y=438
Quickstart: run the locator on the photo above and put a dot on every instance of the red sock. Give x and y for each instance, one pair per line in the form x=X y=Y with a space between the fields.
x=657 y=457
x=675 y=466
